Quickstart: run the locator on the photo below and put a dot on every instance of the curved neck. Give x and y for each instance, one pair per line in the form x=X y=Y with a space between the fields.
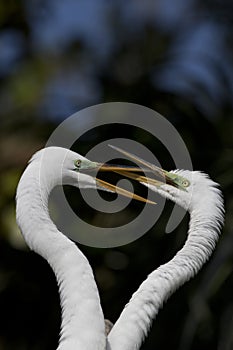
x=135 y=320
x=82 y=325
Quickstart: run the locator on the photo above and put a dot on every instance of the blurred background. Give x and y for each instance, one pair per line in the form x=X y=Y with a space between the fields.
x=57 y=57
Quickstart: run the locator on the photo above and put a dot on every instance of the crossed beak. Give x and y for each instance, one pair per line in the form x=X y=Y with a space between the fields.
x=134 y=173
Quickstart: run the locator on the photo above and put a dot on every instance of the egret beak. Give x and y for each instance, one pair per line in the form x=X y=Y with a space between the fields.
x=86 y=165
x=168 y=177
x=122 y=191
x=133 y=173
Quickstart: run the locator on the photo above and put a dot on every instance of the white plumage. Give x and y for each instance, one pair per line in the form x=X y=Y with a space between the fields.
x=83 y=325
x=204 y=202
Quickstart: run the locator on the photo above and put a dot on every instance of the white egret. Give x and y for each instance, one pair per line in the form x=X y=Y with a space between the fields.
x=83 y=326
x=82 y=318
x=198 y=194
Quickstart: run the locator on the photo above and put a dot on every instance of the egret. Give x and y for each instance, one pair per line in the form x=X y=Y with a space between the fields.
x=83 y=326
x=202 y=198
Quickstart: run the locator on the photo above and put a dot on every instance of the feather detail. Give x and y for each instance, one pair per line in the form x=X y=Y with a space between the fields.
x=82 y=325
x=205 y=204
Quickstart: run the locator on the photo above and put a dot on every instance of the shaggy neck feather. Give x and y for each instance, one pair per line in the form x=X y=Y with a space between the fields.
x=134 y=322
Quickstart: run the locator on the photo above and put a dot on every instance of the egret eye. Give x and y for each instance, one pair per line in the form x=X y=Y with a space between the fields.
x=185 y=183
x=78 y=163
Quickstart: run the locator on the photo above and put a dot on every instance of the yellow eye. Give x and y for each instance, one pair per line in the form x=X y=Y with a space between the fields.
x=78 y=163
x=185 y=183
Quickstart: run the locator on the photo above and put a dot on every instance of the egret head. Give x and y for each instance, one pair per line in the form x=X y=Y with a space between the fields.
x=189 y=189
x=194 y=188
x=60 y=166
x=186 y=188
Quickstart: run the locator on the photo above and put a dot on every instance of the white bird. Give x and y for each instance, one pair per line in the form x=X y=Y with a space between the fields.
x=83 y=326
x=82 y=318
x=198 y=194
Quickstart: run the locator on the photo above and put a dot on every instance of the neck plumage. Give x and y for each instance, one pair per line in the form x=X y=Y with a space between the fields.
x=135 y=320
x=82 y=318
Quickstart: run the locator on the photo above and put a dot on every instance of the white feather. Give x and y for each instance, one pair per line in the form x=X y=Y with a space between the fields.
x=204 y=202
x=82 y=318
x=83 y=325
